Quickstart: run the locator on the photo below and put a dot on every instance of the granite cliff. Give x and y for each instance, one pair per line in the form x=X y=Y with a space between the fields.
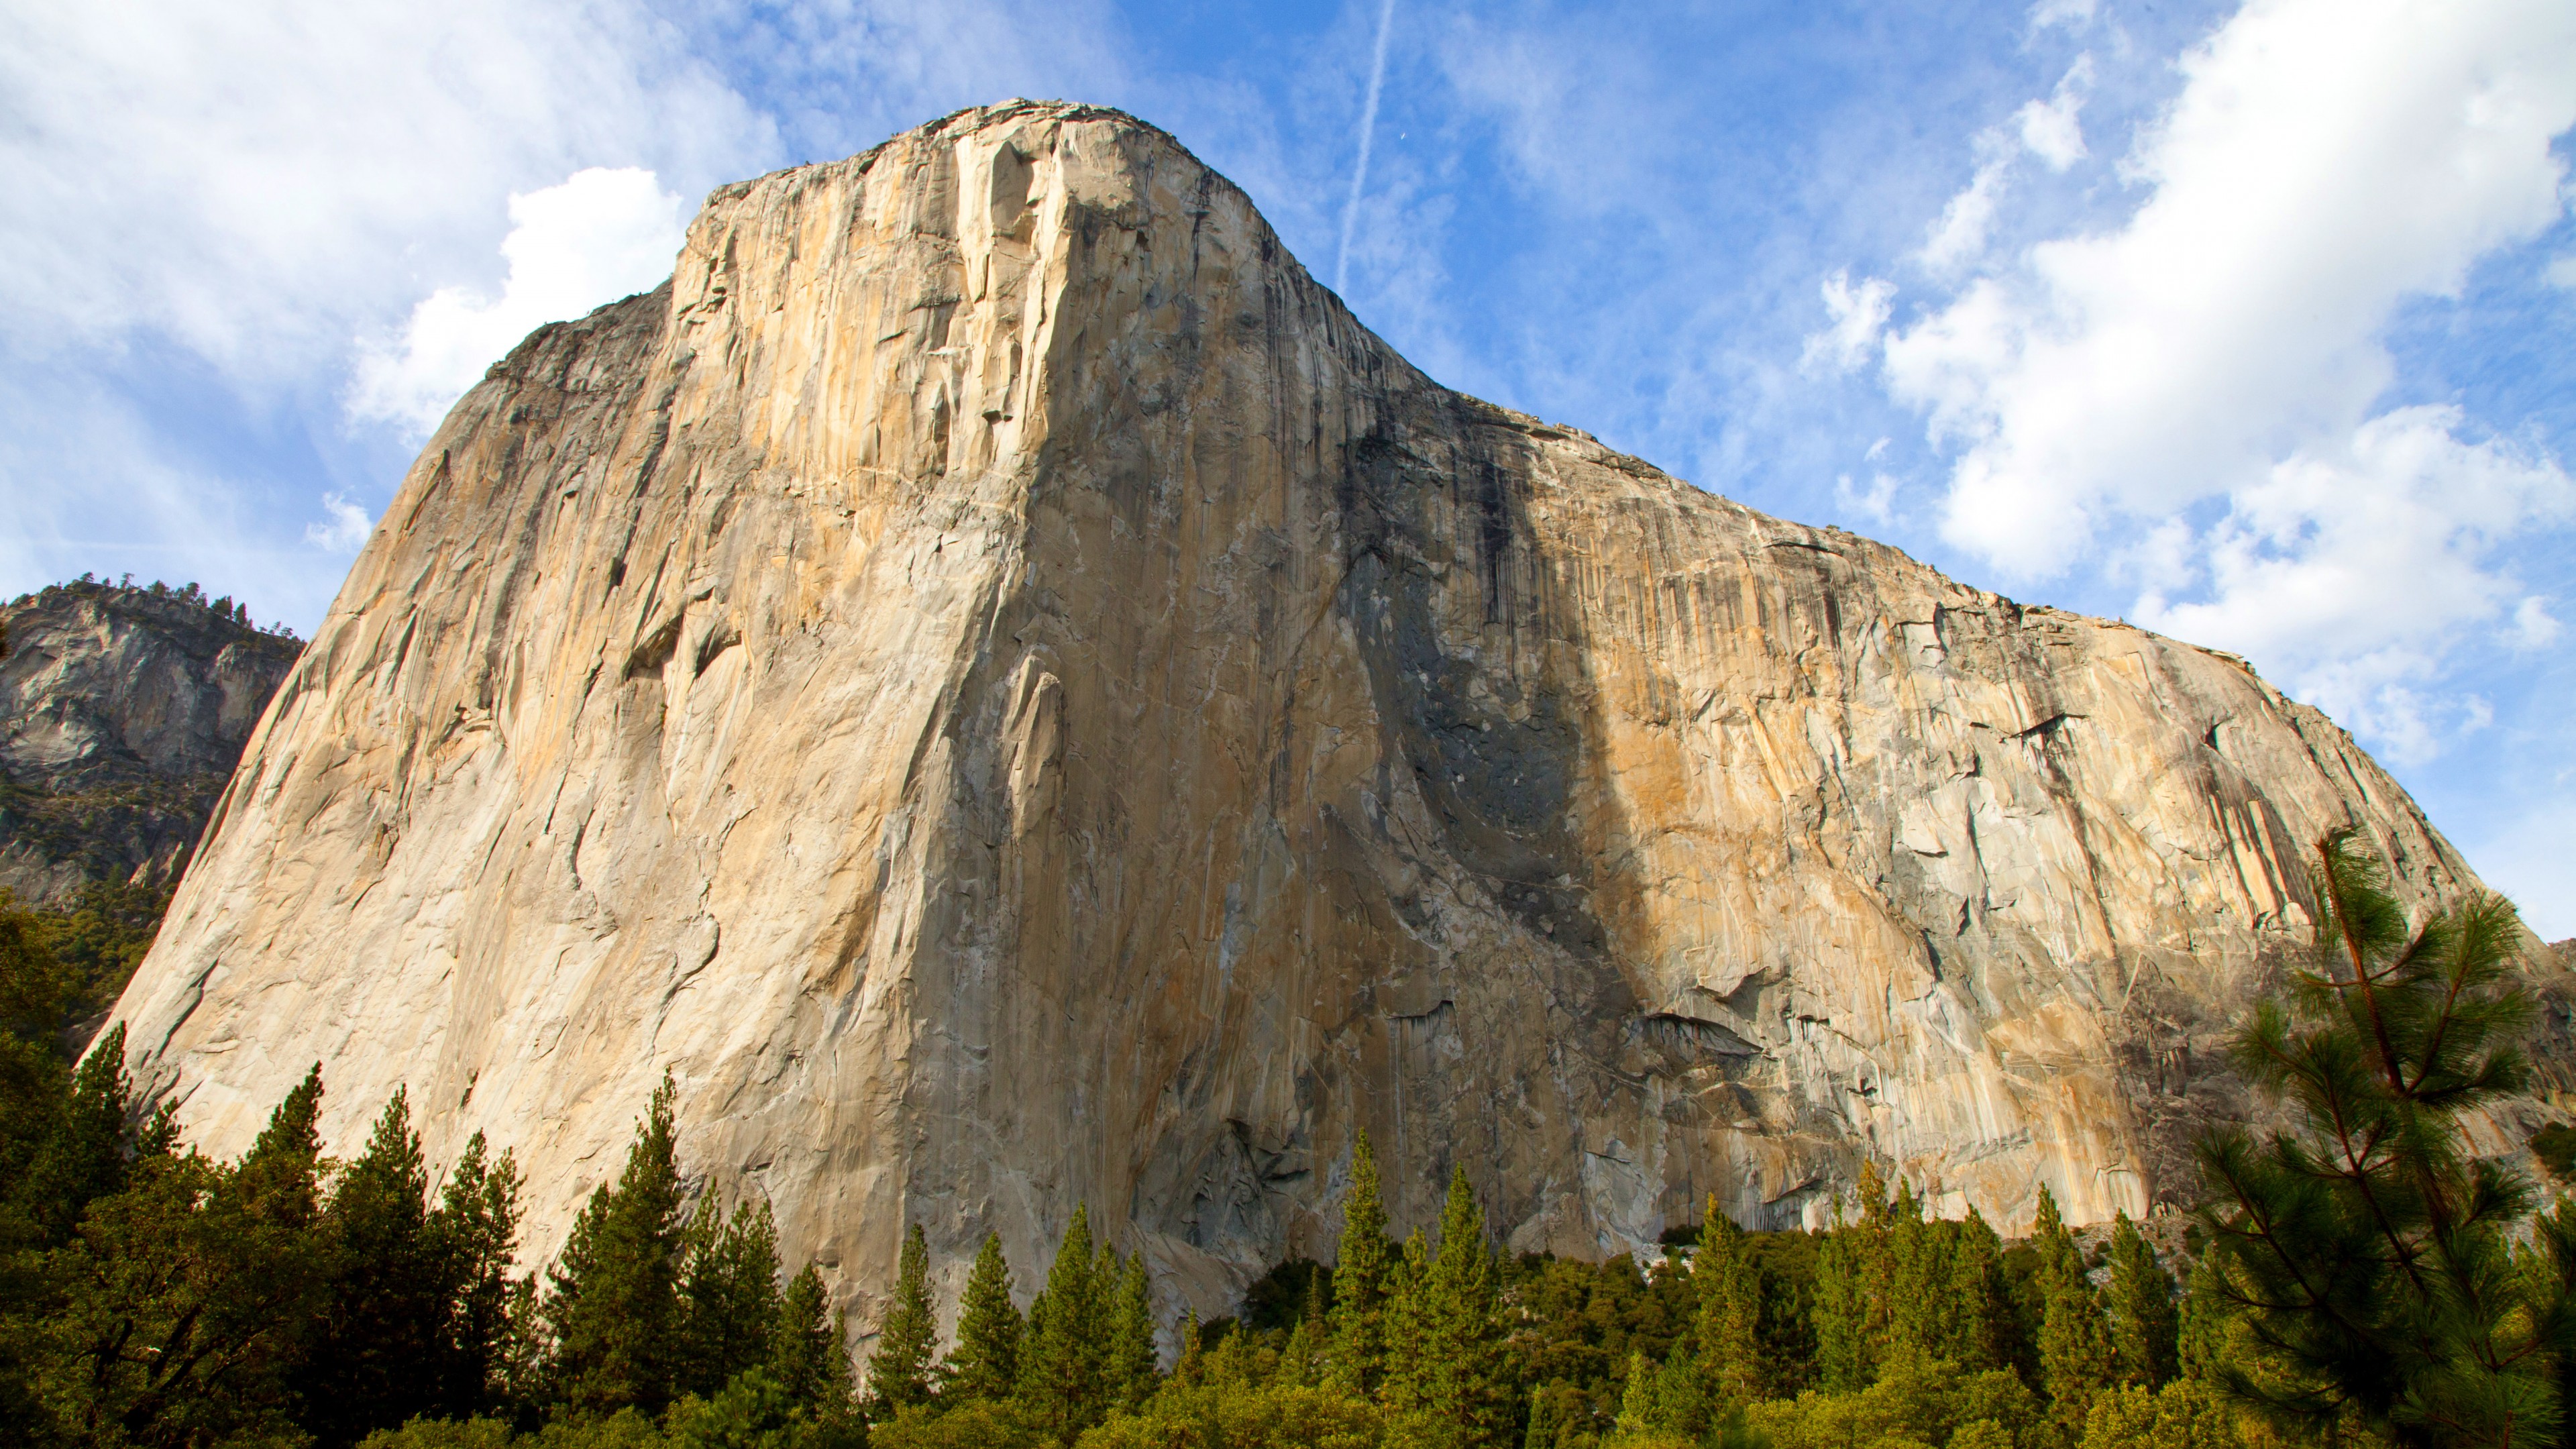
x=994 y=680
x=122 y=713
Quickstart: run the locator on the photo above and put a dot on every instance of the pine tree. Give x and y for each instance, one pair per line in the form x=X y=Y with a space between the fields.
x=1541 y=1433
x=809 y=1353
x=1361 y=1270
x=1132 y=1357
x=908 y=1339
x=2075 y=1359
x=2200 y=1338
x=1303 y=1359
x=729 y=1300
x=78 y=1155
x=613 y=1298
x=1847 y=1310
x=1731 y=1353
x=985 y=1362
x=2142 y=1309
x=185 y=1298
x=1985 y=1327
x=1191 y=1367
x=2368 y=1246
x=475 y=1232
x=374 y=1356
x=279 y=1178
x=1637 y=1414
x=1063 y=1358
x=1452 y=1365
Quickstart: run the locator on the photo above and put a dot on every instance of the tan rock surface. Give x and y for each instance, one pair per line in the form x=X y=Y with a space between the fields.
x=994 y=680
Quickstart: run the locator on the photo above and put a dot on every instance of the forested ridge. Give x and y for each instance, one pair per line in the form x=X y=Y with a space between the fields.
x=2359 y=1277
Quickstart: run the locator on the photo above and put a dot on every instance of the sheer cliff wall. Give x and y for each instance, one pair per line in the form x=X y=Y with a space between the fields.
x=998 y=684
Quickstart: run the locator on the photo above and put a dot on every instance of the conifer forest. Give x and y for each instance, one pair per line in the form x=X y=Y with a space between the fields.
x=2357 y=1275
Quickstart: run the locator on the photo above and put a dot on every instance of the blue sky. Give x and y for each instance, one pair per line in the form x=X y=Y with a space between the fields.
x=2246 y=322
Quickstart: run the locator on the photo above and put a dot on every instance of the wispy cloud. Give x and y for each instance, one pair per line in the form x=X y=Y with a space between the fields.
x=1368 y=138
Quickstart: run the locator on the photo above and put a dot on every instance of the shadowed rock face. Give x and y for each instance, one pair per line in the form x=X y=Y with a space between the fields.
x=1006 y=691
x=121 y=714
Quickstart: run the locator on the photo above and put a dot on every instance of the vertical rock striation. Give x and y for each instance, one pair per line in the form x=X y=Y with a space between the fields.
x=994 y=680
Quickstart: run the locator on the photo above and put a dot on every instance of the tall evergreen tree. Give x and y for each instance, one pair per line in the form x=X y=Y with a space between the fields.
x=79 y=1155
x=809 y=1352
x=1452 y=1367
x=1850 y=1305
x=1731 y=1353
x=375 y=1353
x=475 y=1232
x=908 y=1339
x=1542 y=1428
x=729 y=1300
x=985 y=1361
x=185 y=1297
x=2368 y=1245
x=2143 y=1324
x=1063 y=1360
x=2075 y=1358
x=1132 y=1357
x=1985 y=1327
x=613 y=1297
x=1362 y=1269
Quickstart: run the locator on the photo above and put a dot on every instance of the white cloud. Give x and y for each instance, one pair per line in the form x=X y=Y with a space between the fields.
x=599 y=236
x=1959 y=237
x=1858 y=313
x=2561 y=272
x=1875 y=502
x=2356 y=568
x=2073 y=14
x=260 y=182
x=346 y=529
x=2533 y=625
x=2053 y=129
x=2320 y=164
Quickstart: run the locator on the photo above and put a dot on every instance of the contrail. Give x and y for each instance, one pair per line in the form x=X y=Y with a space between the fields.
x=1368 y=134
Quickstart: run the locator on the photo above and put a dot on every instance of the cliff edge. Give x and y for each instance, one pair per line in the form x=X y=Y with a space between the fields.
x=994 y=680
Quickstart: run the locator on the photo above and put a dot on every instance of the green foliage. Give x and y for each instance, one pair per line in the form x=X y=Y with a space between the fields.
x=2185 y=1414
x=899 y=1372
x=2143 y=1321
x=1732 y=1355
x=2075 y=1356
x=809 y=1350
x=180 y=1303
x=1917 y=1401
x=977 y=1424
x=101 y=937
x=985 y=1362
x=612 y=1304
x=373 y=1356
x=1064 y=1360
x=1363 y=1274
x=1445 y=1344
x=2368 y=1248
x=2555 y=1146
x=1236 y=1414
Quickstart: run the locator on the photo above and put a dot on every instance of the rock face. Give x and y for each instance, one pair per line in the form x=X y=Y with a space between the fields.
x=999 y=685
x=122 y=712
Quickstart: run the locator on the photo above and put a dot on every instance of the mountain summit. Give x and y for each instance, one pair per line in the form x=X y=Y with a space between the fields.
x=1001 y=687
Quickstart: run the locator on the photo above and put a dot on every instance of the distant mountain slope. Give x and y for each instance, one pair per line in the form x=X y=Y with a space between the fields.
x=122 y=712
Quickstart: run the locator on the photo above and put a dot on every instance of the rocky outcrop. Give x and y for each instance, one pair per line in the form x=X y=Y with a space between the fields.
x=994 y=680
x=122 y=712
